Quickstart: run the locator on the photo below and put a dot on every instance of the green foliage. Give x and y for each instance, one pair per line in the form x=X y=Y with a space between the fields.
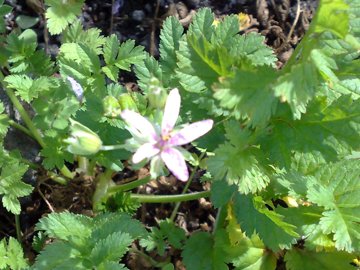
x=61 y=13
x=4 y=9
x=159 y=238
x=238 y=161
x=202 y=252
x=12 y=255
x=297 y=259
x=4 y=121
x=11 y=185
x=85 y=243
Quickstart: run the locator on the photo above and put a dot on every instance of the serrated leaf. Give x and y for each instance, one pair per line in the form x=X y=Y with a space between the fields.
x=50 y=257
x=200 y=252
x=12 y=255
x=146 y=70
x=337 y=190
x=11 y=186
x=253 y=216
x=299 y=259
x=239 y=162
x=247 y=97
x=252 y=46
x=91 y=37
x=170 y=36
x=202 y=24
x=129 y=54
x=4 y=121
x=66 y=226
x=112 y=248
x=27 y=88
x=62 y=13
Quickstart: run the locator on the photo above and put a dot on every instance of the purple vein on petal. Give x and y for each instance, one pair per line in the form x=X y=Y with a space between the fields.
x=171 y=111
x=191 y=132
x=175 y=162
x=134 y=119
x=147 y=150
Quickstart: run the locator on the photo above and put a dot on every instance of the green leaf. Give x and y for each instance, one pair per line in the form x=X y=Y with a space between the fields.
x=170 y=36
x=252 y=47
x=50 y=257
x=299 y=259
x=129 y=54
x=332 y=15
x=11 y=186
x=202 y=24
x=146 y=70
x=337 y=190
x=54 y=153
x=327 y=130
x=91 y=37
x=200 y=252
x=246 y=96
x=239 y=162
x=221 y=193
x=112 y=248
x=253 y=255
x=12 y=255
x=158 y=238
x=253 y=216
x=61 y=13
x=27 y=88
x=4 y=121
x=25 y=22
x=66 y=226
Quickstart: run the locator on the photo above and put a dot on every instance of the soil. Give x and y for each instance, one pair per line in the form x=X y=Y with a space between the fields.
x=282 y=22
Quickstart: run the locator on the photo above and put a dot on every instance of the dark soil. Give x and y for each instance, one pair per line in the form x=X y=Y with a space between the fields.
x=282 y=22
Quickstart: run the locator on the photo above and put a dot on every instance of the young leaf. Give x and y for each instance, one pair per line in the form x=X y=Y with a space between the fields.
x=202 y=24
x=12 y=255
x=62 y=13
x=146 y=70
x=11 y=185
x=158 y=238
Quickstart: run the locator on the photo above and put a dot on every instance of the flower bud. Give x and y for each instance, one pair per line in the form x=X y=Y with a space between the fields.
x=157 y=94
x=83 y=141
x=127 y=102
x=111 y=106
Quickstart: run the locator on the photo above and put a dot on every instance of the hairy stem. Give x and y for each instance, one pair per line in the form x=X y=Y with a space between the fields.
x=21 y=128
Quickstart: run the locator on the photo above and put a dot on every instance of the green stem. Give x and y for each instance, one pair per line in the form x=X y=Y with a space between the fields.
x=220 y=219
x=31 y=127
x=170 y=198
x=129 y=186
x=176 y=208
x=24 y=115
x=18 y=229
x=58 y=179
x=112 y=147
x=83 y=164
x=21 y=128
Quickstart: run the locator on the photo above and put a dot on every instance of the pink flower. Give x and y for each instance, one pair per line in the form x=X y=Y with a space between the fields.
x=161 y=144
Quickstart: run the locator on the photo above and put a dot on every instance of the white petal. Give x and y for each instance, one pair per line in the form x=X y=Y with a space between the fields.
x=191 y=132
x=148 y=150
x=171 y=111
x=140 y=123
x=175 y=162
